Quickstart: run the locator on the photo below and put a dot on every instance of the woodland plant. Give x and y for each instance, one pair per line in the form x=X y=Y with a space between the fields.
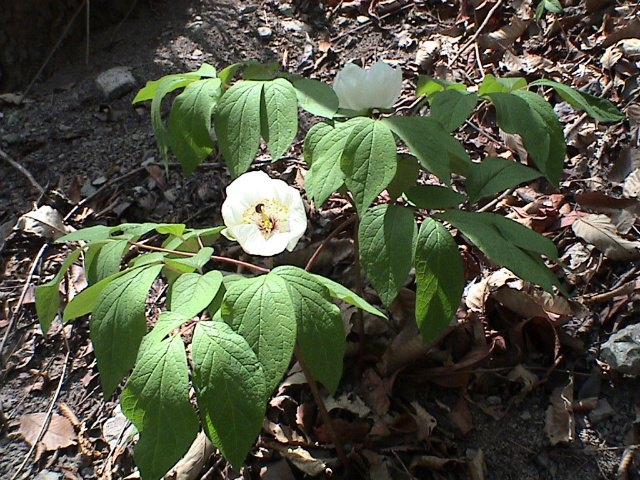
x=244 y=329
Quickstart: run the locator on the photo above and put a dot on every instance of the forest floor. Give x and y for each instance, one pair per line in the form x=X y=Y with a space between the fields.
x=516 y=390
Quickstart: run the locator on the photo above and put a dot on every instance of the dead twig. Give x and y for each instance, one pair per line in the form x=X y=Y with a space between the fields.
x=22 y=170
x=16 y=311
x=52 y=404
x=475 y=36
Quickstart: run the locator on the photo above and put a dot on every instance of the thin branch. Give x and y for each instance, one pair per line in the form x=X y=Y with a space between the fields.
x=22 y=170
x=475 y=36
x=326 y=241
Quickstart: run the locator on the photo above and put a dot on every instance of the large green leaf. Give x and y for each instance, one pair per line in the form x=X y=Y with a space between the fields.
x=191 y=293
x=118 y=324
x=369 y=161
x=279 y=116
x=530 y=116
x=494 y=175
x=83 y=303
x=439 y=278
x=189 y=264
x=316 y=97
x=189 y=133
x=508 y=243
x=313 y=139
x=103 y=259
x=156 y=400
x=407 y=173
x=321 y=335
x=230 y=388
x=437 y=151
x=167 y=321
x=450 y=108
x=148 y=92
x=387 y=237
x=434 y=197
x=343 y=293
x=48 y=296
x=491 y=84
x=237 y=124
x=260 y=309
x=325 y=175
x=89 y=234
x=599 y=108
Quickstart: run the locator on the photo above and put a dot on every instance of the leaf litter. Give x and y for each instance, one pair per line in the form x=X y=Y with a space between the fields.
x=447 y=407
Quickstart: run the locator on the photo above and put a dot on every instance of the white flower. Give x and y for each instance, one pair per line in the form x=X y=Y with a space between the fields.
x=264 y=215
x=360 y=89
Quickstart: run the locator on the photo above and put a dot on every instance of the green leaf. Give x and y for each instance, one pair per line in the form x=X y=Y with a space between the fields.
x=387 y=237
x=451 y=108
x=103 y=260
x=508 y=243
x=83 y=303
x=150 y=89
x=230 y=388
x=139 y=229
x=439 y=278
x=407 y=173
x=48 y=296
x=325 y=175
x=491 y=84
x=494 y=175
x=237 y=124
x=599 y=108
x=434 y=197
x=260 y=309
x=227 y=73
x=156 y=400
x=427 y=86
x=189 y=133
x=167 y=321
x=369 y=161
x=530 y=116
x=118 y=324
x=191 y=293
x=321 y=334
x=189 y=264
x=279 y=116
x=175 y=229
x=89 y=234
x=313 y=139
x=316 y=97
x=343 y=293
x=437 y=151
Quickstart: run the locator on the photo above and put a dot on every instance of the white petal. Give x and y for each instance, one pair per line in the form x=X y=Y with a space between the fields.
x=348 y=86
x=386 y=81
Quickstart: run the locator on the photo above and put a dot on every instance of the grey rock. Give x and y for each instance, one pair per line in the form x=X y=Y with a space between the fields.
x=116 y=82
x=265 y=32
x=48 y=475
x=601 y=412
x=622 y=351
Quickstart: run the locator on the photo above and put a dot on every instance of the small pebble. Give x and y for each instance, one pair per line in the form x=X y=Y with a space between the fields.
x=265 y=32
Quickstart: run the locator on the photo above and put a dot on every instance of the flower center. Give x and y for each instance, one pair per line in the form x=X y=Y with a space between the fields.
x=270 y=216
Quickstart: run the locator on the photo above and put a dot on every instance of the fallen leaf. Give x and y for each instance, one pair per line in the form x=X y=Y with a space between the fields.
x=191 y=465
x=599 y=231
x=303 y=460
x=559 y=424
x=59 y=433
x=461 y=416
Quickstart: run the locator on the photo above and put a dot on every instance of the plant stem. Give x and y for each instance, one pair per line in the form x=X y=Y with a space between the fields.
x=360 y=292
x=215 y=258
x=324 y=413
x=326 y=241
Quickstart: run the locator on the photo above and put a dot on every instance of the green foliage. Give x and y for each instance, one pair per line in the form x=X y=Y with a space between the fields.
x=250 y=325
x=553 y=6
x=387 y=237
x=439 y=278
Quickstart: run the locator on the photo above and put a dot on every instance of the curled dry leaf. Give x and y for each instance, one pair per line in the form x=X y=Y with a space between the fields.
x=599 y=231
x=190 y=466
x=59 y=433
x=631 y=187
x=559 y=425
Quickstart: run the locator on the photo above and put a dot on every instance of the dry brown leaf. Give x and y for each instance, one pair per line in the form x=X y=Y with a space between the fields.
x=303 y=460
x=631 y=187
x=59 y=433
x=559 y=425
x=191 y=465
x=462 y=417
x=426 y=422
x=600 y=231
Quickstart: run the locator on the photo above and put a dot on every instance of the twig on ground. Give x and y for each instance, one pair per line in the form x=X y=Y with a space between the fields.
x=475 y=36
x=52 y=404
x=22 y=170
x=326 y=241
x=18 y=307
